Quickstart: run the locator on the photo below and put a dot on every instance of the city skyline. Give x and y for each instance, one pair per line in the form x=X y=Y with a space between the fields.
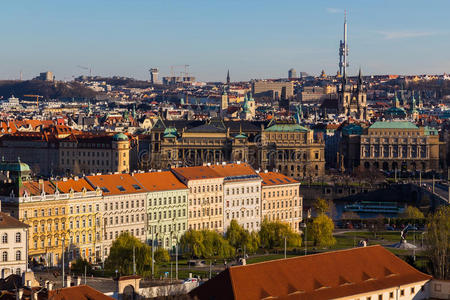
x=253 y=40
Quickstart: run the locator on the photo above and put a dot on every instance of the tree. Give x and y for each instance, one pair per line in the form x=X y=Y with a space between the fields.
x=121 y=256
x=321 y=206
x=322 y=231
x=80 y=265
x=272 y=235
x=205 y=244
x=238 y=237
x=192 y=243
x=438 y=242
x=412 y=212
x=161 y=255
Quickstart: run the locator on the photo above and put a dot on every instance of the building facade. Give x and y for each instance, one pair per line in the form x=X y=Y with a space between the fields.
x=281 y=200
x=13 y=246
x=205 y=200
x=167 y=207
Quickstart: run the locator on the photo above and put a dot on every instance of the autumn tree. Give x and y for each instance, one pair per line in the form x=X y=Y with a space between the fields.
x=321 y=206
x=238 y=237
x=412 y=212
x=205 y=244
x=438 y=242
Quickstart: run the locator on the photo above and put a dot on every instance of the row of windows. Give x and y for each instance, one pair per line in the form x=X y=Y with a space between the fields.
x=124 y=204
x=123 y=219
x=167 y=200
x=155 y=229
x=207 y=188
x=282 y=215
x=206 y=225
x=5 y=238
x=205 y=212
x=132 y=232
x=284 y=204
x=236 y=202
x=72 y=239
x=56 y=211
x=216 y=199
x=167 y=214
x=391 y=294
x=87 y=162
x=250 y=189
x=242 y=214
x=86 y=153
x=282 y=193
x=18 y=255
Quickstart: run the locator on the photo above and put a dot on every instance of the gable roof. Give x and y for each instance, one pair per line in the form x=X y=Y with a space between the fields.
x=393 y=125
x=287 y=128
x=233 y=170
x=327 y=275
x=274 y=178
x=159 y=181
x=64 y=186
x=81 y=292
x=196 y=173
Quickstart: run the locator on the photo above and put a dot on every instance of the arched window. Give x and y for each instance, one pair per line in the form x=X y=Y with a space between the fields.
x=5 y=256
x=5 y=238
x=18 y=237
x=18 y=255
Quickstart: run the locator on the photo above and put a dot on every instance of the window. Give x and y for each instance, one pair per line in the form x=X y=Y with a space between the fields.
x=391 y=295
x=18 y=237
x=18 y=255
x=5 y=238
x=402 y=292
x=412 y=291
x=5 y=256
x=380 y=297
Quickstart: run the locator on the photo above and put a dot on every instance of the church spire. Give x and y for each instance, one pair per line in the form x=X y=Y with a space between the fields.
x=228 y=77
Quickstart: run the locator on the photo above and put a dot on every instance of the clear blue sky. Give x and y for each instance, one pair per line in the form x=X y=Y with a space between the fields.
x=254 y=39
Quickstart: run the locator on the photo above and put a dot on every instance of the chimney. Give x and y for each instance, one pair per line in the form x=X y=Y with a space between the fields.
x=78 y=280
x=68 y=280
x=265 y=171
x=75 y=178
x=50 y=286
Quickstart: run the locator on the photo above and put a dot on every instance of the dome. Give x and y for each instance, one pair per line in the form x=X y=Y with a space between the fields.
x=14 y=166
x=119 y=137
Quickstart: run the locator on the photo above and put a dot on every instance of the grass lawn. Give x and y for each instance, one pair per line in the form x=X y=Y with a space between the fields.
x=267 y=257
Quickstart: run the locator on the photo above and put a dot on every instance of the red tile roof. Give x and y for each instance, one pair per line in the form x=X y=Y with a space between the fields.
x=196 y=173
x=34 y=188
x=116 y=184
x=234 y=169
x=327 y=275
x=274 y=178
x=81 y=292
x=6 y=221
x=76 y=185
x=159 y=181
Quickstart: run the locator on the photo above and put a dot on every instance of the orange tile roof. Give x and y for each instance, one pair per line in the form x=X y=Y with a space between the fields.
x=327 y=275
x=81 y=292
x=196 y=173
x=159 y=181
x=6 y=221
x=233 y=169
x=116 y=184
x=34 y=188
x=275 y=178
x=76 y=185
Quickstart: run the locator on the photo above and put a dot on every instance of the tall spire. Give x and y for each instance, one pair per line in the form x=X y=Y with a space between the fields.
x=228 y=77
x=343 y=51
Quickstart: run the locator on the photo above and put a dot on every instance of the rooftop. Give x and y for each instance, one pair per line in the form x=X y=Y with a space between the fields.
x=159 y=181
x=196 y=173
x=393 y=125
x=6 y=221
x=116 y=184
x=273 y=178
x=286 y=128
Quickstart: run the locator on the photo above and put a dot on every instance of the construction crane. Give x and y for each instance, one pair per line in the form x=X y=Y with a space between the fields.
x=179 y=66
x=86 y=68
x=35 y=96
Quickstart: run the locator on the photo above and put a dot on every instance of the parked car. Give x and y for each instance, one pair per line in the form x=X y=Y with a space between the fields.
x=190 y=280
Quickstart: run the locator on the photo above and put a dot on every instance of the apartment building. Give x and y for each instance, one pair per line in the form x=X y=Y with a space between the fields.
x=280 y=199
x=166 y=207
x=124 y=207
x=13 y=246
x=241 y=196
x=205 y=200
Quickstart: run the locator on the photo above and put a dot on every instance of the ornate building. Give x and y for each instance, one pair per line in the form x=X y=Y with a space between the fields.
x=352 y=99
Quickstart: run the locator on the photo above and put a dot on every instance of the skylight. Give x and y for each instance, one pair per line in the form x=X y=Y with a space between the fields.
x=120 y=188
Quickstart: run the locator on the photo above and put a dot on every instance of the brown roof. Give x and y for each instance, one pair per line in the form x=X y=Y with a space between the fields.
x=159 y=181
x=6 y=221
x=116 y=184
x=275 y=178
x=81 y=292
x=34 y=188
x=327 y=275
x=196 y=173
x=234 y=169
x=76 y=185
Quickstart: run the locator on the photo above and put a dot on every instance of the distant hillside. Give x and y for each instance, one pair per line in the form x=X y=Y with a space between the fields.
x=50 y=90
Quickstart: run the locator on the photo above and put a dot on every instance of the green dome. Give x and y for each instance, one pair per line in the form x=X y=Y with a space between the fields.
x=120 y=137
x=14 y=166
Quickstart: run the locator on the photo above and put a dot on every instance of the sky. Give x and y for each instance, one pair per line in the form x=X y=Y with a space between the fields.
x=254 y=39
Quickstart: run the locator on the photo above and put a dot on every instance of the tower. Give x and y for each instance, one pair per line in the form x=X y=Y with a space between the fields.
x=154 y=75
x=352 y=99
x=292 y=74
x=224 y=103
x=343 y=51
x=228 y=77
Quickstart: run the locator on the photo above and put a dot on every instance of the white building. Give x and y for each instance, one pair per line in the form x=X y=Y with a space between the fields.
x=13 y=247
x=242 y=195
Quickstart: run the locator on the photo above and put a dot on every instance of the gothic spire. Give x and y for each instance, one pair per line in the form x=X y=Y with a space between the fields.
x=228 y=77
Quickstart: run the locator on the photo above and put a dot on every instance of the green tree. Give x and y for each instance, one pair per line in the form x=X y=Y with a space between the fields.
x=192 y=243
x=438 y=242
x=272 y=235
x=205 y=244
x=80 y=265
x=161 y=255
x=412 y=212
x=238 y=237
x=121 y=256
x=321 y=206
x=321 y=230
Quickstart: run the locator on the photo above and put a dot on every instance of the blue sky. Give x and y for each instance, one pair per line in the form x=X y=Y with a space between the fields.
x=254 y=39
